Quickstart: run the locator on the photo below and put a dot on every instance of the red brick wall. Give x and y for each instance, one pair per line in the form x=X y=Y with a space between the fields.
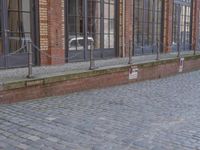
x=146 y=72
x=195 y=23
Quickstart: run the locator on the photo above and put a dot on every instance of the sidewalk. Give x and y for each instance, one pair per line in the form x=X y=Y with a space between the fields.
x=152 y=115
x=44 y=71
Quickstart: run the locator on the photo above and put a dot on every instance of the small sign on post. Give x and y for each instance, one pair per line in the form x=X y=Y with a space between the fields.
x=133 y=73
x=181 y=64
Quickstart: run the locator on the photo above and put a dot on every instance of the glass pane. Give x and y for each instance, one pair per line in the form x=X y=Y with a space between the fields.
x=13 y=4
x=19 y=23
x=19 y=5
x=106 y=10
x=147 y=23
x=1 y=49
x=25 y=5
x=106 y=26
x=112 y=41
x=25 y=20
x=112 y=11
x=106 y=41
x=181 y=24
x=94 y=25
x=94 y=8
x=75 y=25
x=16 y=41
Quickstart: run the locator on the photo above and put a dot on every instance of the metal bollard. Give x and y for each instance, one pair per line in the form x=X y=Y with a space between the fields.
x=158 y=51
x=30 y=59
x=130 y=61
x=92 y=61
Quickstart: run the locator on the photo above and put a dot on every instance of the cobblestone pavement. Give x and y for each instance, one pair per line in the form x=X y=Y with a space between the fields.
x=153 y=115
x=21 y=73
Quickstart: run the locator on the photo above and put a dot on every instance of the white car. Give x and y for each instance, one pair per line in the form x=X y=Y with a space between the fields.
x=77 y=43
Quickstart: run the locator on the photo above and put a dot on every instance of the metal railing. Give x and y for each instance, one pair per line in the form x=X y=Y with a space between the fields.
x=29 y=47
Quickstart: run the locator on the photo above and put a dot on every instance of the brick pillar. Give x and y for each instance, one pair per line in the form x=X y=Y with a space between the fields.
x=168 y=19
x=128 y=24
x=56 y=31
x=52 y=32
x=195 y=23
x=44 y=43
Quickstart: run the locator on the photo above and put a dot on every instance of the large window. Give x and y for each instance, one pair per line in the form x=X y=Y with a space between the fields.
x=1 y=42
x=101 y=24
x=19 y=26
x=181 y=25
x=147 y=25
x=76 y=28
x=91 y=21
x=94 y=21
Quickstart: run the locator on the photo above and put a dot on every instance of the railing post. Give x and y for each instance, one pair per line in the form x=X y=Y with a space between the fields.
x=30 y=59
x=130 y=61
x=158 y=50
x=195 y=48
x=179 y=51
x=92 y=61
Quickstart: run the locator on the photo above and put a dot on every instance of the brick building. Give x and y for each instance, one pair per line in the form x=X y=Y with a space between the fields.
x=65 y=29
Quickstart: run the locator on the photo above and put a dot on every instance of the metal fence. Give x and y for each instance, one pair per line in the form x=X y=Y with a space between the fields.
x=30 y=48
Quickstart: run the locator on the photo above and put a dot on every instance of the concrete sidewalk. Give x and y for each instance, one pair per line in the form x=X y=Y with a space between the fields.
x=44 y=71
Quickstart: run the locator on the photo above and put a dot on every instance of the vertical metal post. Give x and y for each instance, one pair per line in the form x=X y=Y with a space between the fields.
x=196 y=45
x=158 y=50
x=179 y=30
x=130 y=61
x=195 y=48
x=30 y=59
x=92 y=62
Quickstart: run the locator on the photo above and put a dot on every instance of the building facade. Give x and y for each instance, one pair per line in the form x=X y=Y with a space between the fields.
x=62 y=31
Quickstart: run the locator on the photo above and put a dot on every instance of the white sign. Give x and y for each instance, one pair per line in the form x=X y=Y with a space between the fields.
x=133 y=72
x=181 y=64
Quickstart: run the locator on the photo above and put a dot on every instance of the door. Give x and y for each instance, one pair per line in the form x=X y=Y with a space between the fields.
x=16 y=31
x=181 y=25
x=87 y=22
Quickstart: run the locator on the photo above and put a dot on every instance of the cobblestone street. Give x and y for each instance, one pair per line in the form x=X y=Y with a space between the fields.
x=153 y=115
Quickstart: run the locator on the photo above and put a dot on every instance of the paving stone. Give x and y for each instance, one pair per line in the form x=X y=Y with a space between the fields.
x=23 y=146
x=152 y=115
x=33 y=138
